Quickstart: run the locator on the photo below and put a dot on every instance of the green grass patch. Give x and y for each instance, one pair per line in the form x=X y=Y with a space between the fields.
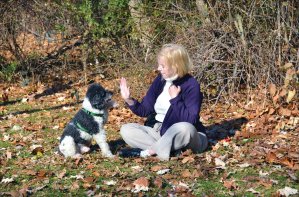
x=211 y=186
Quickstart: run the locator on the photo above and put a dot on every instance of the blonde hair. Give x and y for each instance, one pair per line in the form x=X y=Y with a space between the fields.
x=177 y=57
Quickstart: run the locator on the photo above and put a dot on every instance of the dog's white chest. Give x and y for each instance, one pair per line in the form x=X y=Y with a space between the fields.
x=84 y=135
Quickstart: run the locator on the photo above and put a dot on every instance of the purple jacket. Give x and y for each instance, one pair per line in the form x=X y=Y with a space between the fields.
x=183 y=108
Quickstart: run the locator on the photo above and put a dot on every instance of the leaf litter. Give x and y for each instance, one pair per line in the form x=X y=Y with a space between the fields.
x=260 y=134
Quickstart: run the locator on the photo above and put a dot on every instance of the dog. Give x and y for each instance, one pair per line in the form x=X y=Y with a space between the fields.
x=88 y=124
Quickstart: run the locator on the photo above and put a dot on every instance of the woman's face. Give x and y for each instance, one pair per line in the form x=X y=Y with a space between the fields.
x=166 y=70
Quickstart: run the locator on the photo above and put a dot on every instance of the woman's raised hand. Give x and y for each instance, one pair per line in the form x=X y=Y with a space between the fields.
x=124 y=89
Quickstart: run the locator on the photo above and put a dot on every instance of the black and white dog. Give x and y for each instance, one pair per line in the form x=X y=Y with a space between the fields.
x=88 y=124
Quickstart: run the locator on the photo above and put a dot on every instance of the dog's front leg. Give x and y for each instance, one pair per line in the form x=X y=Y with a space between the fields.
x=100 y=138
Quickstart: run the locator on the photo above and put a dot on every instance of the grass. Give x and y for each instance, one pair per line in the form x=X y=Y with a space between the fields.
x=212 y=186
x=46 y=173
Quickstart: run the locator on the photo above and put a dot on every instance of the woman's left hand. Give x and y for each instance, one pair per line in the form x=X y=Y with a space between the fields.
x=174 y=91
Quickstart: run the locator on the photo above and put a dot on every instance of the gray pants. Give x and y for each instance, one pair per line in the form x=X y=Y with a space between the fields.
x=178 y=136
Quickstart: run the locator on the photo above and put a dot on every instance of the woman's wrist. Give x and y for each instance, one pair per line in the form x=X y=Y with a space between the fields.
x=129 y=101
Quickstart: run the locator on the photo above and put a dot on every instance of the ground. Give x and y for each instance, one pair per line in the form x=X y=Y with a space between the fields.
x=253 y=146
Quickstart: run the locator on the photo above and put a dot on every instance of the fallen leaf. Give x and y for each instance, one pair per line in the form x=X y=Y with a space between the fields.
x=244 y=165
x=158 y=182
x=16 y=128
x=252 y=191
x=29 y=172
x=138 y=160
x=79 y=176
x=24 y=191
x=186 y=173
x=272 y=89
x=156 y=168
x=41 y=174
x=187 y=160
x=283 y=92
x=8 y=155
x=266 y=183
x=62 y=174
x=284 y=112
x=291 y=95
x=271 y=157
x=66 y=108
x=289 y=75
x=34 y=190
x=137 y=168
x=293 y=176
x=219 y=163
x=181 y=187
x=35 y=149
x=271 y=111
x=169 y=176
x=75 y=186
x=90 y=192
x=61 y=98
x=287 y=66
x=78 y=160
x=6 y=137
x=110 y=182
x=287 y=191
x=87 y=185
x=275 y=99
x=7 y=180
x=96 y=173
x=24 y=100
x=263 y=174
x=61 y=125
x=163 y=171
x=89 y=179
x=208 y=158
x=141 y=184
x=197 y=174
x=89 y=166
x=230 y=184
x=286 y=161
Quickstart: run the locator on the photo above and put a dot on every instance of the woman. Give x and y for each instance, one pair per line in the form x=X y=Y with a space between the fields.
x=173 y=102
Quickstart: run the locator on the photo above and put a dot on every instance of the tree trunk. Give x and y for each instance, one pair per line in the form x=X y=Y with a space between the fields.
x=143 y=28
x=203 y=11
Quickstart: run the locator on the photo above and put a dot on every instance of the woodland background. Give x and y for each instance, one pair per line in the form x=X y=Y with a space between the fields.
x=245 y=54
x=234 y=44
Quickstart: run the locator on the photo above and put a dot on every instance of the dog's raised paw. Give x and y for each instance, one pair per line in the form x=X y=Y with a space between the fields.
x=84 y=149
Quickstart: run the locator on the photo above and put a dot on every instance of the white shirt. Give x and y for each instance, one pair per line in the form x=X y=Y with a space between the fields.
x=162 y=103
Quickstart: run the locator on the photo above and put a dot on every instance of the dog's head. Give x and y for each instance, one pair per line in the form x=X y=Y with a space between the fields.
x=99 y=97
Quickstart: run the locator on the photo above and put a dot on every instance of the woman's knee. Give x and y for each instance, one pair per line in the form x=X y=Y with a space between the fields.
x=128 y=129
x=124 y=130
x=184 y=128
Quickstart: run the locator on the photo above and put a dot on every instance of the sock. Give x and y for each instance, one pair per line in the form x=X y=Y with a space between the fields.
x=146 y=153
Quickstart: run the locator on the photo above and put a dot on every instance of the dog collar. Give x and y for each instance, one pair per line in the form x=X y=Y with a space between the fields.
x=91 y=113
x=79 y=126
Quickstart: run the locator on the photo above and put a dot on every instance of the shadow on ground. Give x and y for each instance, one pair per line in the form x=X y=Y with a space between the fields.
x=115 y=146
x=224 y=129
x=4 y=116
x=215 y=133
x=54 y=89
x=10 y=102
